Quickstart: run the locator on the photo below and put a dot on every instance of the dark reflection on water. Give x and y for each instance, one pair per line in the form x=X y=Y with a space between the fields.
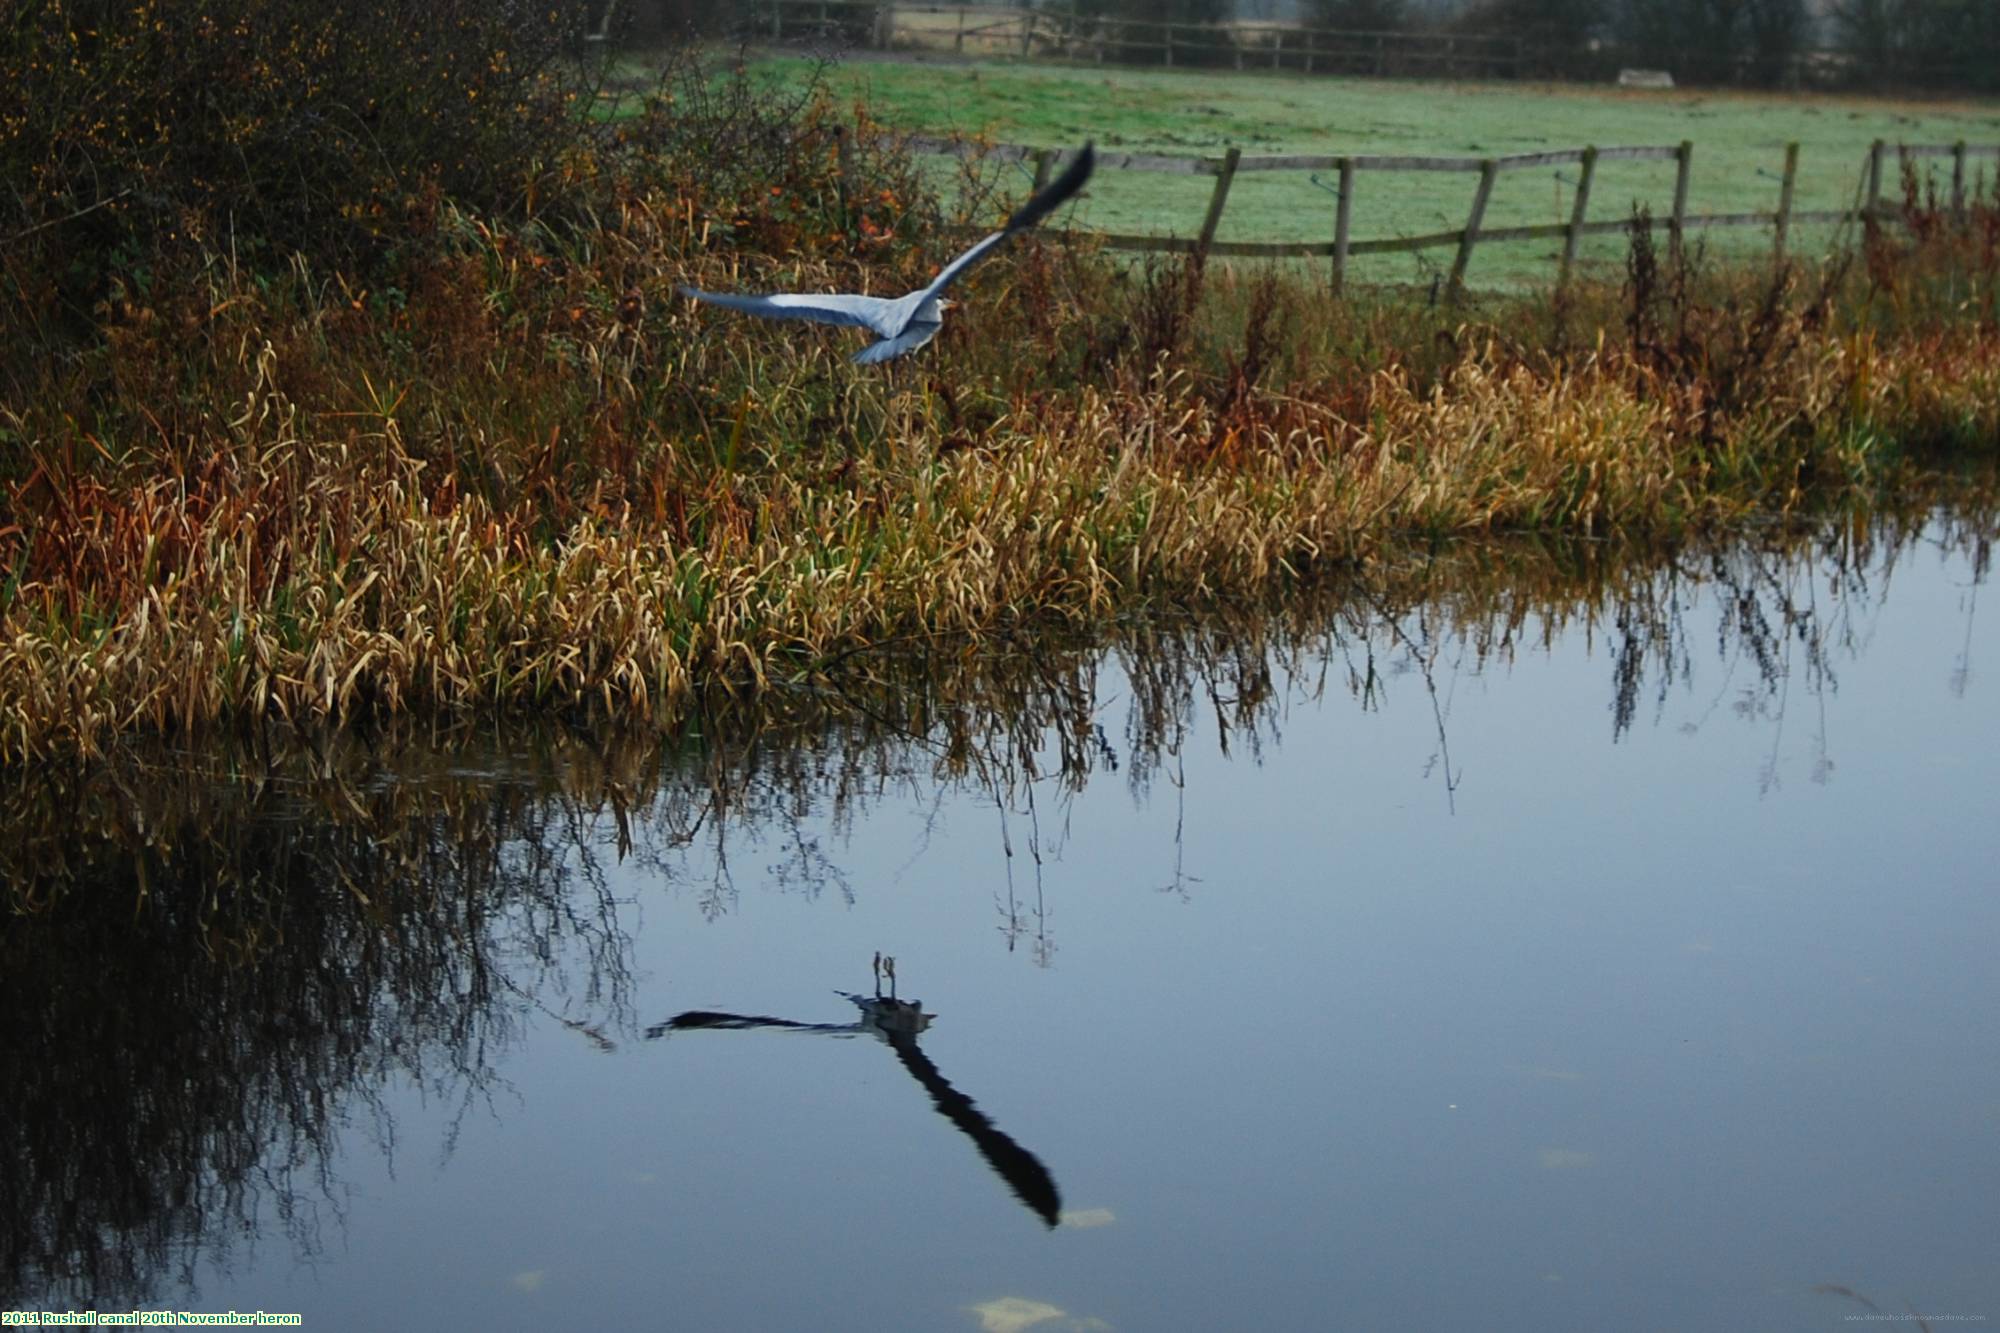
x=234 y=984
x=899 y=1023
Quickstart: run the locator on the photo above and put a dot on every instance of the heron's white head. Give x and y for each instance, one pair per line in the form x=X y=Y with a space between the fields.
x=946 y=303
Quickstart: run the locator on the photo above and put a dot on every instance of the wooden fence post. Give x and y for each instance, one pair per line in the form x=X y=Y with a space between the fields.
x=1221 y=195
x=1791 y=178
x=1027 y=32
x=958 y=42
x=1043 y=157
x=777 y=20
x=1576 y=215
x=1487 y=171
x=1874 y=178
x=1342 y=217
x=1683 y=168
x=1278 y=49
x=1958 y=180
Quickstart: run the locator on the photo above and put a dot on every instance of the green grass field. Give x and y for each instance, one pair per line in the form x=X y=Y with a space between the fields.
x=1739 y=143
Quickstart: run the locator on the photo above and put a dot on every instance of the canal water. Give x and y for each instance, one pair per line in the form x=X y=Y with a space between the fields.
x=1535 y=940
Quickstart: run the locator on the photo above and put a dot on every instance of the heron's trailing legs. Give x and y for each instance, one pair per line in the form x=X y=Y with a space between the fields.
x=885 y=966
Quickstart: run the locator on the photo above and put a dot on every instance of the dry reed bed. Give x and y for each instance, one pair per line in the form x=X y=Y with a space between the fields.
x=325 y=559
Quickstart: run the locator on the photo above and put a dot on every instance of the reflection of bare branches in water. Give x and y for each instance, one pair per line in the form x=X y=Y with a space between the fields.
x=1792 y=608
x=1421 y=653
x=1179 y=885
x=1014 y=919
x=1982 y=562
x=215 y=959
x=214 y=976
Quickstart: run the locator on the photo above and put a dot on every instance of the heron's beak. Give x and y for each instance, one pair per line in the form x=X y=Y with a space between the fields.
x=946 y=303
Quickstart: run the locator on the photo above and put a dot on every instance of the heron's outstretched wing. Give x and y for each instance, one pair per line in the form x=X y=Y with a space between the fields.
x=888 y=349
x=709 y=1018
x=1052 y=197
x=1022 y=1170
x=878 y=314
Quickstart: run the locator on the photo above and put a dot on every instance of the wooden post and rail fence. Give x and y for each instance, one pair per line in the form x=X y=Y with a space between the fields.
x=1343 y=245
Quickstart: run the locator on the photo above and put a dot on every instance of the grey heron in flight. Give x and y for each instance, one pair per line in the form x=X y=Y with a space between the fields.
x=904 y=323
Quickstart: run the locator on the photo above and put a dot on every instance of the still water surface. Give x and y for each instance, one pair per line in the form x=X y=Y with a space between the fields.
x=1593 y=950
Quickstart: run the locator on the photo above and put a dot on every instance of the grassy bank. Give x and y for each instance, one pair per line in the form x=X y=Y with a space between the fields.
x=504 y=467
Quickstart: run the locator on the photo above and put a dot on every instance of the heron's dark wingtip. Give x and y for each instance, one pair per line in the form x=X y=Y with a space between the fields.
x=1058 y=191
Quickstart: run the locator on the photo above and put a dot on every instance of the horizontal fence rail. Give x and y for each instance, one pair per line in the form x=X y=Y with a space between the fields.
x=1342 y=244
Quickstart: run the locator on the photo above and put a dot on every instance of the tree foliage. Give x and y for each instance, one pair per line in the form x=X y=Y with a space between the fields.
x=1562 y=27
x=1718 y=41
x=1935 y=42
x=1358 y=15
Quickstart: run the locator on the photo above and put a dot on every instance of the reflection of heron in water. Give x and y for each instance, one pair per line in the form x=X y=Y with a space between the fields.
x=899 y=1022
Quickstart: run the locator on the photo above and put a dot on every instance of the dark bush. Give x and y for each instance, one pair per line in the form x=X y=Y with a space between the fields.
x=135 y=131
x=652 y=23
x=772 y=170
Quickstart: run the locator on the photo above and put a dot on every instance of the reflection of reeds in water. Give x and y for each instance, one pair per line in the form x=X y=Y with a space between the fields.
x=213 y=956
